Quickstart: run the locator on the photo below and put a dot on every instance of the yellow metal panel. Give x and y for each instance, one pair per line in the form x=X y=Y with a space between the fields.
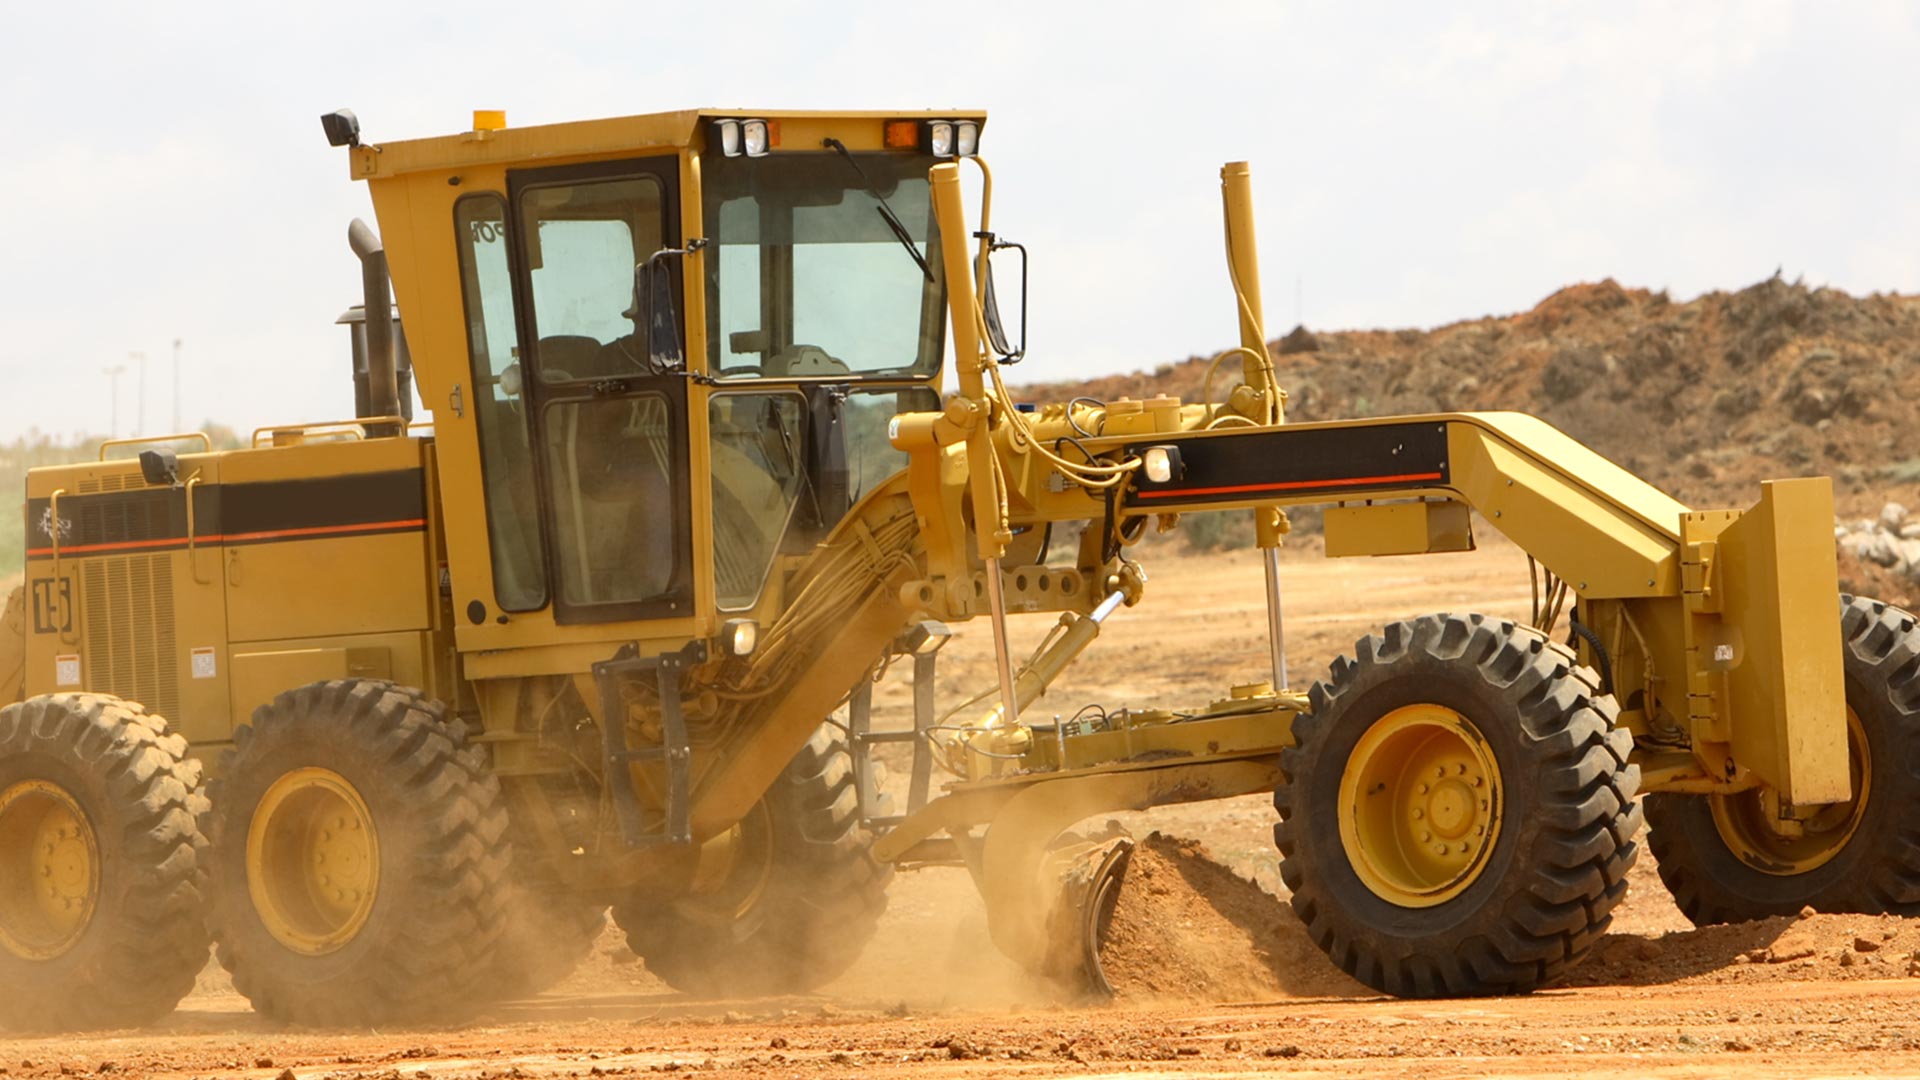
x=1608 y=533
x=259 y=677
x=129 y=623
x=1402 y=528
x=1783 y=667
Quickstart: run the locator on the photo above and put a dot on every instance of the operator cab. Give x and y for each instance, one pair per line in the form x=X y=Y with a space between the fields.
x=616 y=408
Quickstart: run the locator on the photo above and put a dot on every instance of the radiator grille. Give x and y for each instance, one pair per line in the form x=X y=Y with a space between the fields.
x=130 y=649
x=111 y=482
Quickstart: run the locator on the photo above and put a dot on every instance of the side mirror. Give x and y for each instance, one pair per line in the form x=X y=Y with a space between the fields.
x=653 y=311
x=990 y=305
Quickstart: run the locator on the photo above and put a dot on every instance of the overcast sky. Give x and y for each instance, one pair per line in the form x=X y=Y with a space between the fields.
x=164 y=174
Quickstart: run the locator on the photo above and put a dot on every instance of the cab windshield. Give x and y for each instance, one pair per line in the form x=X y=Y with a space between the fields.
x=811 y=278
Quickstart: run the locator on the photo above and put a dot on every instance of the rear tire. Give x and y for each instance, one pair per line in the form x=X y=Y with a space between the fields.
x=790 y=921
x=100 y=865
x=1528 y=773
x=360 y=859
x=1862 y=856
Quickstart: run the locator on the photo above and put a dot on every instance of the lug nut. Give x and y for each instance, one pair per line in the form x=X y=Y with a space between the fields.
x=1439 y=772
x=1418 y=813
x=1421 y=788
x=1439 y=849
x=1425 y=836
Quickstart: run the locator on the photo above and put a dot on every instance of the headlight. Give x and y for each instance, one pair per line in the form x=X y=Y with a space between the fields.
x=1162 y=463
x=727 y=132
x=966 y=138
x=739 y=635
x=754 y=135
x=940 y=138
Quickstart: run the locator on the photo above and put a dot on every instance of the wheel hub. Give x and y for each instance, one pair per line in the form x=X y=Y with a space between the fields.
x=1420 y=805
x=313 y=861
x=49 y=870
x=1750 y=825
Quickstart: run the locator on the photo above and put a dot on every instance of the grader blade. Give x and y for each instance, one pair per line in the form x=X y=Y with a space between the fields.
x=1047 y=902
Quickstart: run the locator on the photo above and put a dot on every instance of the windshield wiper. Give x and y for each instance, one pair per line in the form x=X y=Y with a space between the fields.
x=899 y=231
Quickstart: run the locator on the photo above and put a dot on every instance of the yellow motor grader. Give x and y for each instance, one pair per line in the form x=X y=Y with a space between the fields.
x=700 y=468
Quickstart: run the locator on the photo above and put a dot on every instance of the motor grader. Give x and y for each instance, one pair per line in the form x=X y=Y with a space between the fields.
x=700 y=469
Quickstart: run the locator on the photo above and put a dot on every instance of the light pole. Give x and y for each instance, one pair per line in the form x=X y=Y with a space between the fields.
x=176 y=386
x=113 y=380
x=140 y=412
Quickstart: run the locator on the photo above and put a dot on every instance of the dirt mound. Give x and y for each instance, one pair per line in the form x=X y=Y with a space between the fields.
x=1785 y=949
x=1704 y=398
x=1187 y=928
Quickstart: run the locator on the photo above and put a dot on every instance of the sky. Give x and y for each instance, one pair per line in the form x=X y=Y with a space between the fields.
x=165 y=177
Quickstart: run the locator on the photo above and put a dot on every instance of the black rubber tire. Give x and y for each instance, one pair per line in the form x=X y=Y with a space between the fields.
x=141 y=793
x=1878 y=871
x=1559 y=865
x=428 y=945
x=819 y=908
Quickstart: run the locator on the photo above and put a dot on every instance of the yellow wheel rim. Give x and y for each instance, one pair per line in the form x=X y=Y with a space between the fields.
x=1420 y=805
x=1745 y=819
x=313 y=861
x=49 y=870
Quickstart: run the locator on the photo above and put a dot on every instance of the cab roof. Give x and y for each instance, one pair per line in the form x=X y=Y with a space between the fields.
x=859 y=129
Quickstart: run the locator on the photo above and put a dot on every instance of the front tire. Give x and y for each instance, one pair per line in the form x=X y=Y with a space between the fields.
x=803 y=897
x=1457 y=814
x=100 y=871
x=360 y=859
x=1722 y=862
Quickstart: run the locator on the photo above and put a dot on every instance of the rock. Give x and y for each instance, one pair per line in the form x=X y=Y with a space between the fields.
x=1892 y=516
x=1865 y=944
x=1881 y=550
x=1287 y=1051
x=1808 y=912
x=1909 y=551
x=1649 y=950
x=1910 y=531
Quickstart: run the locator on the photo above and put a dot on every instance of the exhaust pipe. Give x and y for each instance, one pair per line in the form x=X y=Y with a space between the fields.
x=383 y=382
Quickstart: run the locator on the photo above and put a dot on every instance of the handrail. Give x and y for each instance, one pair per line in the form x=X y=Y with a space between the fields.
x=205 y=441
x=357 y=427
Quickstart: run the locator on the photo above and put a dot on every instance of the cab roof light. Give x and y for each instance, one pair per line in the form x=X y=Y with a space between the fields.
x=949 y=138
x=901 y=135
x=759 y=136
x=939 y=138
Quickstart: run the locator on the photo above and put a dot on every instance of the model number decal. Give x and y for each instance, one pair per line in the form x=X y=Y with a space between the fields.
x=53 y=606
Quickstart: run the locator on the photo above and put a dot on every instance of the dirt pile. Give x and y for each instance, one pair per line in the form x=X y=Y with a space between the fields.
x=1186 y=928
x=1784 y=949
x=1704 y=398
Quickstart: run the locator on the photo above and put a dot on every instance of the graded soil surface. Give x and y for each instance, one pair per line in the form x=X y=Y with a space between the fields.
x=1214 y=974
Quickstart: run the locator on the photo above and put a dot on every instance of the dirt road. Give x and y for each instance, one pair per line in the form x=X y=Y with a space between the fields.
x=1830 y=995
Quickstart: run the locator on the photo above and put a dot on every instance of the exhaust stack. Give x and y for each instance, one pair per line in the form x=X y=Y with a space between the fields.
x=382 y=378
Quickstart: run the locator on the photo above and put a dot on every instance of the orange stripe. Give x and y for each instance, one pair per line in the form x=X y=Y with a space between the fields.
x=321 y=530
x=1287 y=485
x=272 y=534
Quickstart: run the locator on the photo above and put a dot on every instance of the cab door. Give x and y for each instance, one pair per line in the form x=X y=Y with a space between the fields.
x=609 y=428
